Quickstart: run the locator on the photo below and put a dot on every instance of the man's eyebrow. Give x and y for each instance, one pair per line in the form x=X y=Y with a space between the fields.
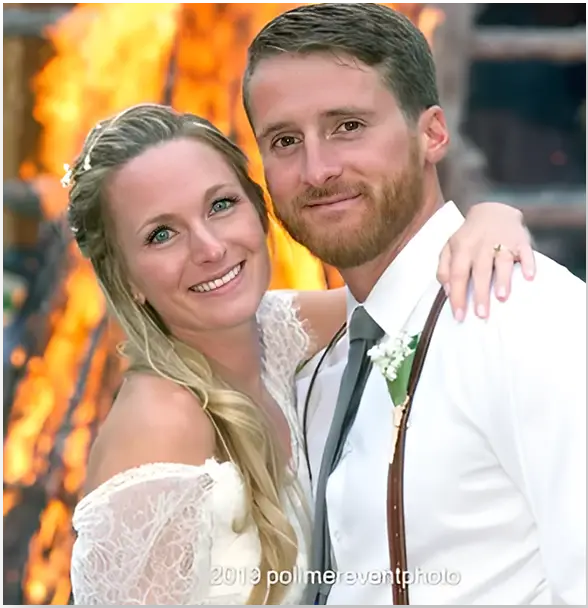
x=342 y=112
x=347 y=111
x=271 y=129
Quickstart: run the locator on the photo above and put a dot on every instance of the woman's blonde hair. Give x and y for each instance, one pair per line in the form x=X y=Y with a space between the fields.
x=244 y=434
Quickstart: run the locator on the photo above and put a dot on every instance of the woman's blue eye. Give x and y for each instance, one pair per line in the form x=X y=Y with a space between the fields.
x=160 y=235
x=222 y=204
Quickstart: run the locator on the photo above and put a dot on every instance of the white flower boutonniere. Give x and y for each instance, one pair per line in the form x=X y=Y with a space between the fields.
x=394 y=357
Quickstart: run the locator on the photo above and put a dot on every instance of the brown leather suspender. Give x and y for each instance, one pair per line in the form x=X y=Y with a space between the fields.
x=395 y=507
x=396 y=531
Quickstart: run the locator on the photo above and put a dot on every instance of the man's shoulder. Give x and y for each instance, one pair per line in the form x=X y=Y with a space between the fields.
x=535 y=305
x=554 y=285
x=540 y=302
x=548 y=271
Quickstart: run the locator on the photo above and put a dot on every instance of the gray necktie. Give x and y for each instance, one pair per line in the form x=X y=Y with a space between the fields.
x=364 y=332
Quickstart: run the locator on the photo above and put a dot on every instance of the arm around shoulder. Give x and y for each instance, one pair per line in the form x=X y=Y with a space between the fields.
x=144 y=530
x=324 y=312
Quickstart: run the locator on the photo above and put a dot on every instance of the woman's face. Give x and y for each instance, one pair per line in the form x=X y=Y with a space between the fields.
x=192 y=242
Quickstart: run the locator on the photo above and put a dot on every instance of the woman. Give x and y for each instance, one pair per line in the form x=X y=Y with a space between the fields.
x=192 y=494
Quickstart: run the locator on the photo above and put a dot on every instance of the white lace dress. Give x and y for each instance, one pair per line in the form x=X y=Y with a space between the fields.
x=162 y=533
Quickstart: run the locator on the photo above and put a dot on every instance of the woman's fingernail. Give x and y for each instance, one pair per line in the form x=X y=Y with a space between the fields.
x=481 y=311
x=459 y=315
x=501 y=293
x=447 y=288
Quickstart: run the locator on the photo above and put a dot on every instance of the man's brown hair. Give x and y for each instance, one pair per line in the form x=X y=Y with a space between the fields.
x=376 y=35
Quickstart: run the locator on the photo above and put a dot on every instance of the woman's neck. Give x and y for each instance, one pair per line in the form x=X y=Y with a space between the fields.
x=234 y=354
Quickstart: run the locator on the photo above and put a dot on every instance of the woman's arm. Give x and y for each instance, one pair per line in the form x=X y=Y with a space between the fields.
x=469 y=254
x=323 y=313
x=144 y=531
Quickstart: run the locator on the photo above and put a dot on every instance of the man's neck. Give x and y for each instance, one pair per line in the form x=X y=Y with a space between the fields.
x=362 y=279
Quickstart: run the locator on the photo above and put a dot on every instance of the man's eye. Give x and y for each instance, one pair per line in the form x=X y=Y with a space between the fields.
x=285 y=141
x=350 y=125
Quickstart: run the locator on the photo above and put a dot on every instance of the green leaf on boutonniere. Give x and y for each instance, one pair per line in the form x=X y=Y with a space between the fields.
x=399 y=387
x=394 y=358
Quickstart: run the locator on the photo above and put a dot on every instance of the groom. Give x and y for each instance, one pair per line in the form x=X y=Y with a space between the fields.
x=344 y=105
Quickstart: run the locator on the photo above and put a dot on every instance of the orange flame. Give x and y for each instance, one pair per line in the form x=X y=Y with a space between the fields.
x=108 y=57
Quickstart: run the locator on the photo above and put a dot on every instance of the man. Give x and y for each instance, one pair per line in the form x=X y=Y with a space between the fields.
x=344 y=105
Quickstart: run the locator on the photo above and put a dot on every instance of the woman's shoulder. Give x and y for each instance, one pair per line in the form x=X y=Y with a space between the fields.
x=153 y=420
x=279 y=304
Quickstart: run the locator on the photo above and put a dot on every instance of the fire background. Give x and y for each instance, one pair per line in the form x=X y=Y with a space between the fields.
x=513 y=83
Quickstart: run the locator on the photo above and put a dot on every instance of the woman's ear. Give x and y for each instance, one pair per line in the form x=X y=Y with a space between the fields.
x=137 y=296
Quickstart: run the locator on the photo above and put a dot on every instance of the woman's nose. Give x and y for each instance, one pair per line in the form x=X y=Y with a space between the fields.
x=206 y=247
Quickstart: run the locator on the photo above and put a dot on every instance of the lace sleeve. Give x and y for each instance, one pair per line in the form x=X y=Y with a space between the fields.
x=144 y=537
x=286 y=337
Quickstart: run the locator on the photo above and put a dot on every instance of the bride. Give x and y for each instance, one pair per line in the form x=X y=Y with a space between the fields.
x=193 y=491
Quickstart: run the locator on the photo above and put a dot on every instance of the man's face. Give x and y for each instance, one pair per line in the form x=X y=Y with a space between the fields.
x=342 y=165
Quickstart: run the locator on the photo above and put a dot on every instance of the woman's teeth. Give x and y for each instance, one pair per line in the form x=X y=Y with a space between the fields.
x=212 y=285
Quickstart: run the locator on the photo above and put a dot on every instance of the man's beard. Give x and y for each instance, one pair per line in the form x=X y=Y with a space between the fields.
x=386 y=216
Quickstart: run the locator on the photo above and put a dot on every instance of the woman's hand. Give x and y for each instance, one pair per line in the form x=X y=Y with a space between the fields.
x=492 y=239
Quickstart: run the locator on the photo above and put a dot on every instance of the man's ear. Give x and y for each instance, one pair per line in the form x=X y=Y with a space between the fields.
x=434 y=134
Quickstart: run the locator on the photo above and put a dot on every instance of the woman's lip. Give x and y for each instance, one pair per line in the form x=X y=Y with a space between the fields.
x=226 y=287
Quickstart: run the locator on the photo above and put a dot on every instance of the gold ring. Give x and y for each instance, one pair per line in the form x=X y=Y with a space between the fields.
x=500 y=247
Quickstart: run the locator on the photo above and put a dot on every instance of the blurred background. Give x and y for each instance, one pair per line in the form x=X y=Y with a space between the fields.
x=513 y=83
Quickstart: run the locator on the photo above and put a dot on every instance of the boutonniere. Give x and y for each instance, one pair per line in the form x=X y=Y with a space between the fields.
x=394 y=358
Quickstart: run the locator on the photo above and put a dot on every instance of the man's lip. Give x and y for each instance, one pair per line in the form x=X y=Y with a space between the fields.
x=333 y=200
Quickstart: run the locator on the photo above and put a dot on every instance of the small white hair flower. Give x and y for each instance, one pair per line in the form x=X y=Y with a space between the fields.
x=87 y=166
x=66 y=179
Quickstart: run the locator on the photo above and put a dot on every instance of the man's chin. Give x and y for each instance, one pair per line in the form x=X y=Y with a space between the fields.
x=332 y=245
x=344 y=257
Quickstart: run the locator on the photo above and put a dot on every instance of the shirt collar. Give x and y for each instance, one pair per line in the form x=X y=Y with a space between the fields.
x=402 y=284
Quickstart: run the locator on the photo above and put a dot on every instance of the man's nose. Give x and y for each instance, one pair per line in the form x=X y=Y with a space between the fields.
x=206 y=246
x=320 y=164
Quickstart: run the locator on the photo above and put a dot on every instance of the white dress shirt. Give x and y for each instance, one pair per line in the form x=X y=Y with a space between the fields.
x=495 y=461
